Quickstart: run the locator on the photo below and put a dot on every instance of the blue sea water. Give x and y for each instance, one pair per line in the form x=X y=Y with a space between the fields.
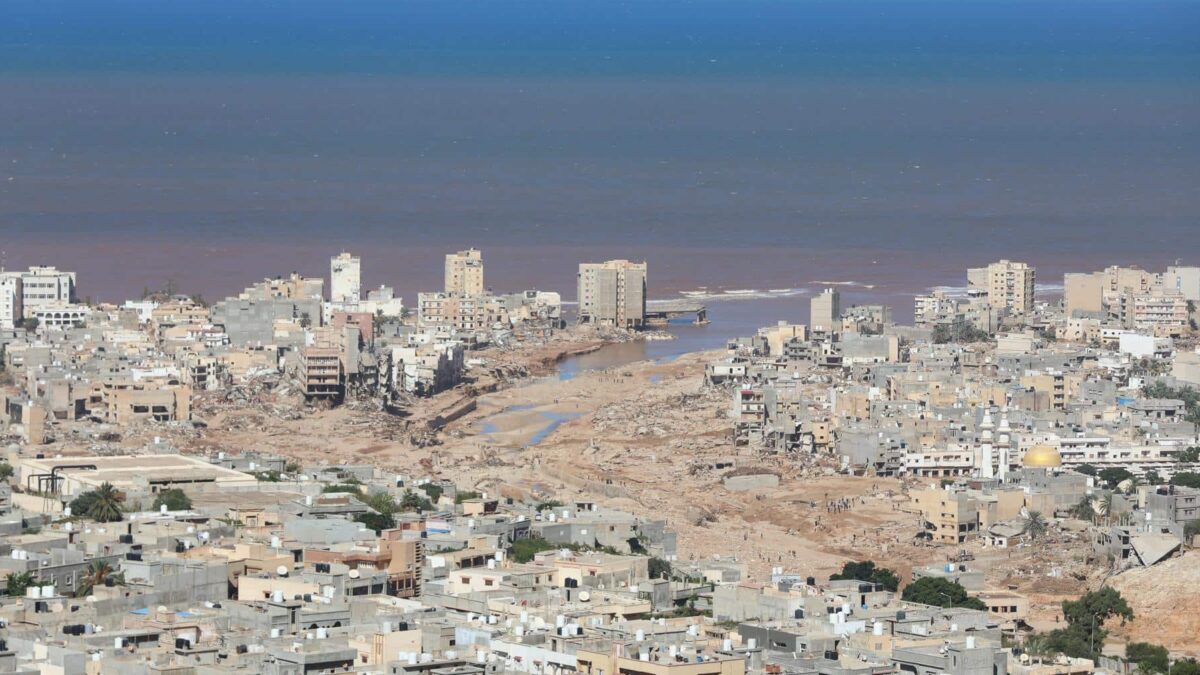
x=757 y=144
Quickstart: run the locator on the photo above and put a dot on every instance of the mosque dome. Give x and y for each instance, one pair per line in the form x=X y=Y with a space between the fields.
x=1042 y=456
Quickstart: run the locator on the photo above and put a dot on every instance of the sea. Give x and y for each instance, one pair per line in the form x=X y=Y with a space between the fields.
x=752 y=152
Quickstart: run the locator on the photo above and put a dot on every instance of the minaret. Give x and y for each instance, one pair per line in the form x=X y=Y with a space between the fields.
x=984 y=461
x=1004 y=443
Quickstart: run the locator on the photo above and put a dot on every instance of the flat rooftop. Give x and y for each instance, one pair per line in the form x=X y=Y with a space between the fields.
x=127 y=470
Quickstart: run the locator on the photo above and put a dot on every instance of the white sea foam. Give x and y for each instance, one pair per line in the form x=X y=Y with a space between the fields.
x=716 y=295
x=843 y=283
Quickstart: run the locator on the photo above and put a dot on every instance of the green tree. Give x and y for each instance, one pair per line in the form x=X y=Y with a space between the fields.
x=940 y=592
x=31 y=324
x=102 y=505
x=1191 y=529
x=434 y=491
x=1152 y=478
x=19 y=581
x=1087 y=469
x=1187 y=479
x=97 y=572
x=381 y=502
x=377 y=521
x=352 y=488
x=1114 y=476
x=659 y=568
x=174 y=499
x=1035 y=525
x=1189 y=456
x=1149 y=658
x=6 y=471
x=523 y=550
x=867 y=571
x=411 y=501
x=1185 y=667
x=1084 y=510
x=465 y=496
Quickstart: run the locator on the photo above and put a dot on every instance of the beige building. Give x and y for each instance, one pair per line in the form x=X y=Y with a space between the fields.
x=825 y=311
x=345 y=284
x=464 y=273
x=76 y=474
x=127 y=401
x=321 y=372
x=612 y=293
x=1083 y=293
x=1008 y=285
x=1156 y=311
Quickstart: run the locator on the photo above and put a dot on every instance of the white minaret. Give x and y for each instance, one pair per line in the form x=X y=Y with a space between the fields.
x=985 y=460
x=1004 y=443
x=344 y=284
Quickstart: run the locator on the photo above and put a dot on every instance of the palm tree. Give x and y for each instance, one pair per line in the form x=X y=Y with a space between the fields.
x=1035 y=525
x=98 y=571
x=106 y=505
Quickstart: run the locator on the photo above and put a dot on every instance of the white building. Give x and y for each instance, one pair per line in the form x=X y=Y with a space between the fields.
x=1145 y=346
x=43 y=287
x=345 y=284
x=61 y=315
x=10 y=301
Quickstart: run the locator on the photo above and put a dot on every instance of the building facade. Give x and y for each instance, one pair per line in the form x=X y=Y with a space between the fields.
x=345 y=284
x=464 y=273
x=612 y=293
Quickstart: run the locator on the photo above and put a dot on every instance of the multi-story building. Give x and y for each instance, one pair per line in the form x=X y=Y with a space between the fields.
x=345 y=284
x=1009 y=285
x=1083 y=293
x=10 y=301
x=1185 y=280
x=825 y=311
x=464 y=273
x=1166 y=310
x=321 y=372
x=44 y=287
x=612 y=293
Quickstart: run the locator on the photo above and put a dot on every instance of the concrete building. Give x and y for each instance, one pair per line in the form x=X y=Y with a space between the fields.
x=464 y=273
x=127 y=401
x=825 y=311
x=11 y=301
x=345 y=283
x=1185 y=280
x=1009 y=285
x=1160 y=311
x=321 y=372
x=1083 y=294
x=43 y=286
x=612 y=293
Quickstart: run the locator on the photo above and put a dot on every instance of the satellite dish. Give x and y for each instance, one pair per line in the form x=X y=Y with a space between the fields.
x=584 y=596
x=282 y=570
x=353 y=574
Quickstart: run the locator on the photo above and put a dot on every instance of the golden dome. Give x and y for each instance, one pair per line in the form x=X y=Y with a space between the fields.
x=1042 y=456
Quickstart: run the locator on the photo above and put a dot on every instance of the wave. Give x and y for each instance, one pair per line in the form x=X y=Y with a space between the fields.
x=742 y=294
x=843 y=283
x=958 y=292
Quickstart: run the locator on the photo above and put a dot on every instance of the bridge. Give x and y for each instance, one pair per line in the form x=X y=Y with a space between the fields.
x=662 y=311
